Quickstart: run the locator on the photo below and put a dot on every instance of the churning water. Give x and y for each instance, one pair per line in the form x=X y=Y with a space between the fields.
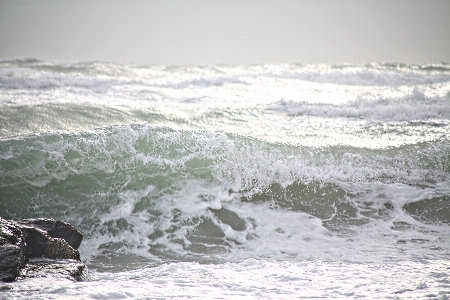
x=227 y=182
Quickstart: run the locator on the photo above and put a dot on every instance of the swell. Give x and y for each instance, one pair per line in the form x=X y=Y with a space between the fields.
x=101 y=77
x=75 y=117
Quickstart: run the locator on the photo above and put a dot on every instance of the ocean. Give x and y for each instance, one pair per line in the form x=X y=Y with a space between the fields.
x=269 y=181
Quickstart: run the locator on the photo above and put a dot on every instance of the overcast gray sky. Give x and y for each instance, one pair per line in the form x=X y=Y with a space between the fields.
x=227 y=31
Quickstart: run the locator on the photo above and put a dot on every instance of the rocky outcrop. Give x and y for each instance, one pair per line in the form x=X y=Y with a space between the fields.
x=12 y=251
x=35 y=239
x=56 y=229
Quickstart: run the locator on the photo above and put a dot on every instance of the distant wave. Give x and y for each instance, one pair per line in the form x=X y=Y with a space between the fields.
x=100 y=76
x=412 y=107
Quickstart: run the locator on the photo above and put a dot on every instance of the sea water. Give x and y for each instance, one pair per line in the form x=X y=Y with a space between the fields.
x=267 y=181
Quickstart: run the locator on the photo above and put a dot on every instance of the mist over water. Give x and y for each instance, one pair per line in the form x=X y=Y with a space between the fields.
x=187 y=170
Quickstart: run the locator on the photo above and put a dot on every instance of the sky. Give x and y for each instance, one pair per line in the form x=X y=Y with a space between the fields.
x=168 y=32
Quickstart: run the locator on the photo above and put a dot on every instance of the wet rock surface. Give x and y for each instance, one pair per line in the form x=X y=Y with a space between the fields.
x=67 y=268
x=56 y=229
x=23 y=245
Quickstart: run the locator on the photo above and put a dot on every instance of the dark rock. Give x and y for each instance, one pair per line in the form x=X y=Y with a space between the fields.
x=12 y=254
x=36 y=238
x=41 y=245
x=56 y=229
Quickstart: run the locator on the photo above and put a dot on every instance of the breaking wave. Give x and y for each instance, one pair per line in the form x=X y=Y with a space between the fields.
x=164 y=194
